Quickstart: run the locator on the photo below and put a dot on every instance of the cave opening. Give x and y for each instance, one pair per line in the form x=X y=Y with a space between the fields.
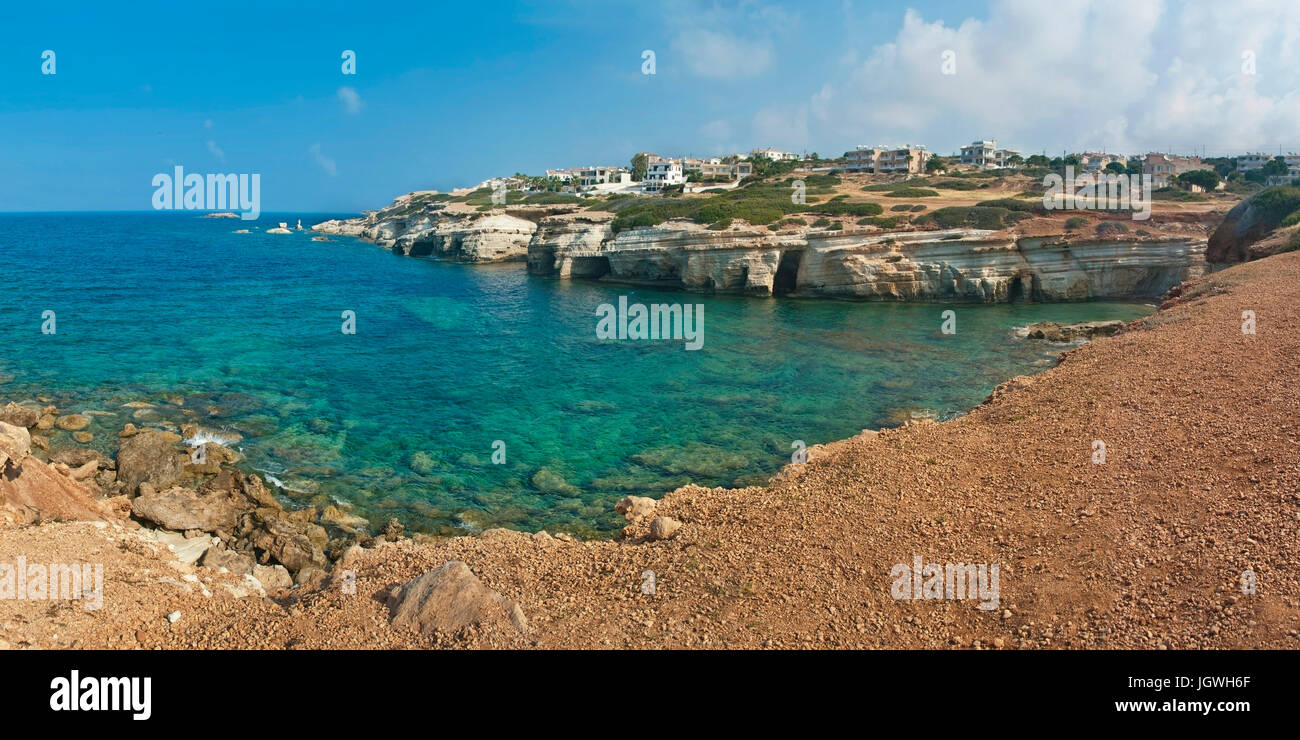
x=1017 y=290
x=787 y=273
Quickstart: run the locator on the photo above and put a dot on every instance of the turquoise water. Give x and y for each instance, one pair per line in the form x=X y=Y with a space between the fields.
x=241 y=333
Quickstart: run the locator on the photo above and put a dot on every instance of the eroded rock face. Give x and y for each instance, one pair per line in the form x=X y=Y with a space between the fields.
x=418 y=230
x=32 y=491
x=1243 y=233
x=953 y=265
x=451 y=599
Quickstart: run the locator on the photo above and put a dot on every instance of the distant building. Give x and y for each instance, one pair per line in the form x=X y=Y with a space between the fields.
x=662 y=173
x=775 y=154
x=1163 y=168
x=1253 y=161
x=908 y=159
x=985 y=155
x=862 y=159
x=1094 y=162
x=591 y=176
x=883 y=159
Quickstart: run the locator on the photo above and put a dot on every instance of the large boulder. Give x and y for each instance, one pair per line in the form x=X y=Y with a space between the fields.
x=635 y=508
x=451 y=599
x=19 y=416
x=149 y=457
x=295 y=544
x=182 y=509
x=72 y=422
x=15 y=445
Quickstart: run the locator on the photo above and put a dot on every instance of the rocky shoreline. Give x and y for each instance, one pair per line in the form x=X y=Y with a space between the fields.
x=855 y=262
x=1108 y=555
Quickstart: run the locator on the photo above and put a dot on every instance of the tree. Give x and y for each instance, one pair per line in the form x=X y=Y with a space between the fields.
x=1275 y=166
x=1225 y=166
x=1116 y=168
x=1072 y=160
x=1038 y=160
x=1206 y=179
x=936 y=164
x=1015 y=160
x=640 y=165
x=1134 y=166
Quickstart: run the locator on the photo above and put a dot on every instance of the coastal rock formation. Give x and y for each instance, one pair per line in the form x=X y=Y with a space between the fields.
x=849 y=262
x=1244 y=233
x=32 y=491
x=1056 y=332
x=433 y=229
x=452 y=599
x=962 y=265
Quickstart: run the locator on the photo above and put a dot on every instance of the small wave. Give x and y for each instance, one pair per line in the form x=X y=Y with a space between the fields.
x=203 y=436
x=279 y=483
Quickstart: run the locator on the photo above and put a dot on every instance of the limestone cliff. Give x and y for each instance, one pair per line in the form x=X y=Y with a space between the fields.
x=967 y=265
x=424 y=229
x=854 y=262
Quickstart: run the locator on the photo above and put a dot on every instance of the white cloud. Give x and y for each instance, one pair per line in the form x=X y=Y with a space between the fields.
x=325 y=162
x=216 y=151
x=351 y=100
x=1118 y=74
x=721 y=56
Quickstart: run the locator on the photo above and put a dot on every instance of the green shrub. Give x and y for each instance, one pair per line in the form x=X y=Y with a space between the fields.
x=884 y=222
x=912 y=193
x=1278 y=203
x=821 y=223
x=1112 y=227
x=837 y=226
x=1075 y=222
x=901 y=207
x=978 y=216
x=1014 y=204
x=954 y=184
x=722 y=225
x=918 y=208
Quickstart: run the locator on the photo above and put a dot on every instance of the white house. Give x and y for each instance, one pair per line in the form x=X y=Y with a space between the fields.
x=775 y=154
x=663 y=173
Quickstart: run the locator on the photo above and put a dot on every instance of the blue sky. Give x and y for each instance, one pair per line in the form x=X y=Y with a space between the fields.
x=447 y=95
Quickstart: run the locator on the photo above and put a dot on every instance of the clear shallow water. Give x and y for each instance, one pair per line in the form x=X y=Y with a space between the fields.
x=400 y=418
